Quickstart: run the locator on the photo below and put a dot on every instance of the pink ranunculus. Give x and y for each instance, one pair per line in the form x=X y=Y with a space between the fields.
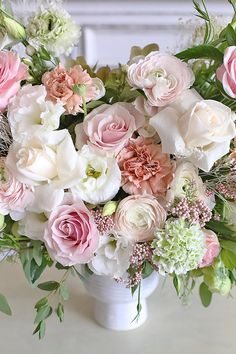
x=14 y=195
x=70 y=87
x=212 y=249
x=138 y=216
x=144 y=168
x=109 y=127
x=226 y=73
x=12 y=72
x=161 y=76
x=71 y=235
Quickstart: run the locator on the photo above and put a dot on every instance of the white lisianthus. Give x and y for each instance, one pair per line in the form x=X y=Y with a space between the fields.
x=31 y=114
x=33 y=162
x=32 y=225
x=198 y=129
x=112 y=257
x=97 y=178
x=53 y=27
x=186 y=180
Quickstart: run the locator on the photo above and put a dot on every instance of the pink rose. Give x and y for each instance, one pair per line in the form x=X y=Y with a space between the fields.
x=71 y=235
x=144 y=168
x=14 y=195
x=137 y=217
x=212 y=249
x=226 y=73
x=12 y=72
x=161 y=76
x=71 y=87
x=109 y=127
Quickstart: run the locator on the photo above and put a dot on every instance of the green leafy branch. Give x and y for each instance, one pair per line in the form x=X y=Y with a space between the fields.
x=43 y=307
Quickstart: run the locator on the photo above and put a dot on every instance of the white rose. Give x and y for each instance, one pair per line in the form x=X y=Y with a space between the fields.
x=112 y=257
x=195 y=128
x=97 y=178
x=30 y=114
x=33 y=162
x=186 y=175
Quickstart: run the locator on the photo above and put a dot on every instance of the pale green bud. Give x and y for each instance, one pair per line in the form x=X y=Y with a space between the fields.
x=109 y=208
x=2 y=223
x=14 y=229
x=79 y=89
x=13 y=27
x=30 y=50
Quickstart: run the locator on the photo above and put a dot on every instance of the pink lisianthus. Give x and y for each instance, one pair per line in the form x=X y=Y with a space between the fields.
x=109 y=127
x=144 y=168
x=71 y=235
x=212 y=249
x=71 y=87
x=14 y=195
x=226 y=73
x=12 y=72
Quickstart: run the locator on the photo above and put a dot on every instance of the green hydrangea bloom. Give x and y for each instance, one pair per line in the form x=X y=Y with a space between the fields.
x=179 y=247
x=53 y=28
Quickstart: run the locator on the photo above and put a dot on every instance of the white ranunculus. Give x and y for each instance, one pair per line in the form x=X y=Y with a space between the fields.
x=144 y=107
x=186 y=174
x=198 y=129
x=112 y=257
x=33 y=162
x=31 y=114
x=100 y=88
x=32 y=225
x=97 y=178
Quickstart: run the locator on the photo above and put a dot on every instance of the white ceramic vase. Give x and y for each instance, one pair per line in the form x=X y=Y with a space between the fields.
x=114 y=306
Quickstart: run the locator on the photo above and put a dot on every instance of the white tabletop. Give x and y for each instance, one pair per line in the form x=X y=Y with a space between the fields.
x=170 y=329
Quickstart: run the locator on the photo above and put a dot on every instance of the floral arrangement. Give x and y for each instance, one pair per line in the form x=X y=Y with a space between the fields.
x=118 y=172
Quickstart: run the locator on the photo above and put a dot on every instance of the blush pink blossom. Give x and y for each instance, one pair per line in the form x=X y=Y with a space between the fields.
x=226 y=73
x=71 y=235
x=161 y=76
x=12 y=72
x=70 y=87
x=14 y=195
x=144 y=168
x=212 y=249
x=109 y=127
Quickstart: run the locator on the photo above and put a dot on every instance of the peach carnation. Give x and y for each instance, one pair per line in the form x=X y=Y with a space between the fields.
x=71 y=87
x=144 y=168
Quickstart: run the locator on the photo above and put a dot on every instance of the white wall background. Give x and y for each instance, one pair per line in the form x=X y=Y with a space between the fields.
x=110 y=28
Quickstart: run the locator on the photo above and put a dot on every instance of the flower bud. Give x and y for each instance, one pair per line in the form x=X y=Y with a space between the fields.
x=216 y=278
x=2 y=223
x=109 y=208
x=30 y=50
x=13 y=27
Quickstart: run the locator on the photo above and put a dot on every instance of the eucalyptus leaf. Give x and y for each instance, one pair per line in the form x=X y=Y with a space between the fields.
x=63 y=291
x=205 y=295
x=60 y=312
x=49 y=285
x=43 y=313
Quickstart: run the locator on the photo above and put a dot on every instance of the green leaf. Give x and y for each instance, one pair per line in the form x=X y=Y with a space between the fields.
x=177 y=284
x=205 y=295
x=49 y=285
x=42 y=329
x=228 y=245
x=201 y=51
x=133 y=289
x=63 y=291
x=37 y=252
x=228 y=258
x=4 y=306
x=60 y=312
x=147 y=269
x=42 y=302
x=230 y=35
x=220 y=228
x=61 y=267
x=43 y=313
x=94 y=104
